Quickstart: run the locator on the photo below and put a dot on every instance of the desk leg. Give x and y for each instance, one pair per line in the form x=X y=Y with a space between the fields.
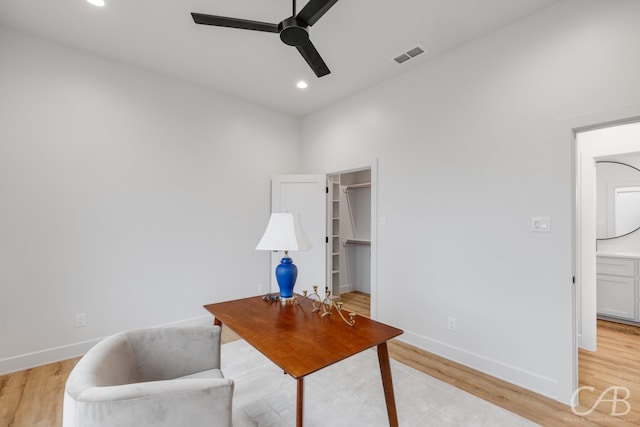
x=387 y=384
x=300 y=402
x=217 y=322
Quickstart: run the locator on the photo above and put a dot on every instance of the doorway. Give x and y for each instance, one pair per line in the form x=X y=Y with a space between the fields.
x=612 y=142
x=351 y=226
x=596 y=294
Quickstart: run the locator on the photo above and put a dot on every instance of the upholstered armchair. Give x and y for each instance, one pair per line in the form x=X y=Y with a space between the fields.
x=150 y=377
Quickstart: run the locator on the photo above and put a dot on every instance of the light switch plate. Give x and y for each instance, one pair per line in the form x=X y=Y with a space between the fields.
x=541 y=224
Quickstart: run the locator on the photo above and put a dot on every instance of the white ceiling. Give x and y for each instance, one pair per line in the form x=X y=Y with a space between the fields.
x=356 y=38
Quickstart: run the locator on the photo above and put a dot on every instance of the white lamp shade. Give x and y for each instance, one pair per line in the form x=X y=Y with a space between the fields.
x=284 y=233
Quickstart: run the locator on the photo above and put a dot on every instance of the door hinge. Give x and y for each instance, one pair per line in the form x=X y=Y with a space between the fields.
x=326 y=239
x=574 y=280
x=327 y=188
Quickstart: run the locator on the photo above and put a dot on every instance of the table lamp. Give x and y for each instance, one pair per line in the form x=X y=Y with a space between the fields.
x=284 y=233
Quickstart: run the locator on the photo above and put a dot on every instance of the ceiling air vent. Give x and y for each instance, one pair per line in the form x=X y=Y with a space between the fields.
x=410 y=54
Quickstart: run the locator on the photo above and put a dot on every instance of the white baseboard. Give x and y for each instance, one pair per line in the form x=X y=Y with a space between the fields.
x=529 y=380
x=56 y=354
x=43 y=357
x=345 y=289
x=205 y=320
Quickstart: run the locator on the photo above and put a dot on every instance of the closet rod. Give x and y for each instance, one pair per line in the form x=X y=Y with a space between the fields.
x=357 y=242
x=357 y=186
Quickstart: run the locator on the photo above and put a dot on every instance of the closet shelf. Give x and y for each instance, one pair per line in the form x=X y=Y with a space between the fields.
x=357 y=242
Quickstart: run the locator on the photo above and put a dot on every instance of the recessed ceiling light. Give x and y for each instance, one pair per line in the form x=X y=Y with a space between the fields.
x=99 y=3
x=302 y=84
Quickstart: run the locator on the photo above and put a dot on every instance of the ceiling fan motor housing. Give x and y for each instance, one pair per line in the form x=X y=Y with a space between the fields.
x=293 y=32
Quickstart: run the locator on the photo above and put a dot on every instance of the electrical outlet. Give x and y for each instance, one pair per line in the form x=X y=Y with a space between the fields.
x=81 y=320
x=452 y=323
x=260 y=288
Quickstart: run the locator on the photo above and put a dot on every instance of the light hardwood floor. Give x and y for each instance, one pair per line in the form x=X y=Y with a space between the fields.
x=616 y=363
x=33 y=398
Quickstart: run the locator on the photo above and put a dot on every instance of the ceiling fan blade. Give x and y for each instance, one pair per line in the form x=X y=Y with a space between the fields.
x=313 y=58
x=314 y=10
x=243 y=24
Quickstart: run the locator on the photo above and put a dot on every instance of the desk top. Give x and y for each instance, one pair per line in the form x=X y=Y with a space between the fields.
x=296 y=339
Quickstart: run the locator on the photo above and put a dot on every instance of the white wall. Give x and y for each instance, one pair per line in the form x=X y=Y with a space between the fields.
x=125 y=195
x=468 y=153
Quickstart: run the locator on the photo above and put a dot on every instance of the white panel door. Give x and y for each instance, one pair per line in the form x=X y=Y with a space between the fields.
x=305 y=195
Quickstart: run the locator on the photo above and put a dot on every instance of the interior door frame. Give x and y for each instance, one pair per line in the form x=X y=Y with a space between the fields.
x=373 y=166
x=566 y=131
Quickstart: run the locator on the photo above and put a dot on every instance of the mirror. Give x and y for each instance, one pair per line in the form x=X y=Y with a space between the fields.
x=617 y=198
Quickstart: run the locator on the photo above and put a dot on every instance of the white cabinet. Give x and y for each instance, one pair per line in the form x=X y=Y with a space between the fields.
x=617 y=285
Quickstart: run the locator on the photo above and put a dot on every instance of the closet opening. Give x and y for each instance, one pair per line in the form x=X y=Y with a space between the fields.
x=350 y=236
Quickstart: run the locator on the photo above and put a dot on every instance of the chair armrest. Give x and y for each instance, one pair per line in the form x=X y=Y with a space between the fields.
x=155 y=389
x=187 y=402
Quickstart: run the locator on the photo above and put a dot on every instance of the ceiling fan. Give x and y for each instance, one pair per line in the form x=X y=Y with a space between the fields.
x=293 y=30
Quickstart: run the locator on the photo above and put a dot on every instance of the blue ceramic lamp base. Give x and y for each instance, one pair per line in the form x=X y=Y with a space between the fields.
x=286 y=275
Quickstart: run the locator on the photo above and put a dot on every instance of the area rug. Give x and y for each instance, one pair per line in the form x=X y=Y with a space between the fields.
x=349 y=393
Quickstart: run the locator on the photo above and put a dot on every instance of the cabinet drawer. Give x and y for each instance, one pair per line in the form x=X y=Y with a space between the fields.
x=616 y=266
x=616 y=296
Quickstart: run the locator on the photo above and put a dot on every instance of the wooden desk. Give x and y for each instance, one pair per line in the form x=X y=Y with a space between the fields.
x=301 y=342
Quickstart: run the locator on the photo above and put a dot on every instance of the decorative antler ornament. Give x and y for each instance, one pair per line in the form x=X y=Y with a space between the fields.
x=325 y=305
